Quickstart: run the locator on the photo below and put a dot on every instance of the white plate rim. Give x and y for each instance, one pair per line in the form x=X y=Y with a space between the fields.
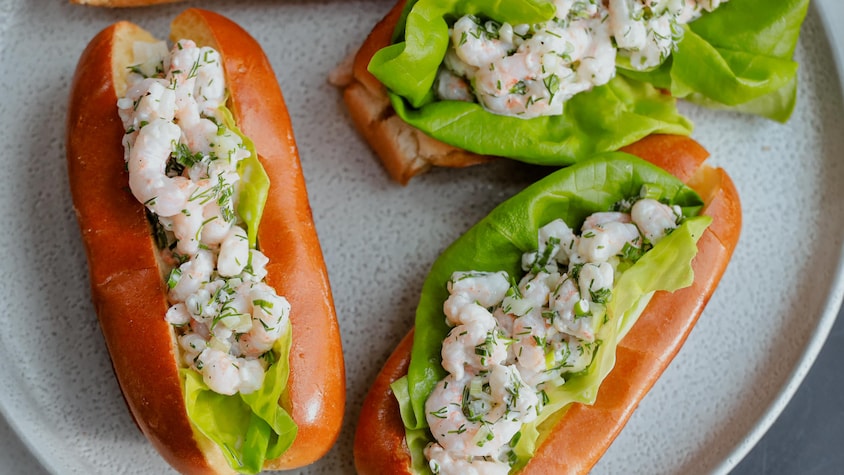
x=835 y=300
x=832 y=307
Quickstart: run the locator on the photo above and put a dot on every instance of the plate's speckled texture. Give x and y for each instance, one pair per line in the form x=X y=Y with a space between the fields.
x=776 y=300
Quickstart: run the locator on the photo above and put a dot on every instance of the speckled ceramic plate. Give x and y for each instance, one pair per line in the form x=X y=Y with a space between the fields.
x=740 y=365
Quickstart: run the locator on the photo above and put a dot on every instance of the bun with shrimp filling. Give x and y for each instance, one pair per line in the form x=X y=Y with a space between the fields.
x=541 y=328
x=206 y=270
x=454 y=83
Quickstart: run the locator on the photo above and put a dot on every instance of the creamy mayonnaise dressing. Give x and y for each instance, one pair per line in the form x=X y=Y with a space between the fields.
x=532 y=70
x=182 y=161
x=508 y=342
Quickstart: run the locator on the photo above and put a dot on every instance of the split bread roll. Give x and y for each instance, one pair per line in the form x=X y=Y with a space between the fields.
x=505 y=79
x=404 y=150
x=577 y=439
x=128 y=277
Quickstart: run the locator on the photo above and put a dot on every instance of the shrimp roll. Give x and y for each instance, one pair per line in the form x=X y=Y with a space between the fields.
x=206 y=270
x=539 y=331
x=451 y=83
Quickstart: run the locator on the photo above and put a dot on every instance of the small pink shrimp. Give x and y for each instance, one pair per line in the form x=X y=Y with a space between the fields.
x=490 y=422
x=219 y=371
x=270 y=320
x=654 y=218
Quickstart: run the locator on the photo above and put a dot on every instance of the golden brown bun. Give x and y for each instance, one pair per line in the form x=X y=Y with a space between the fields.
x=379 y=439
x=404 y=150
x=585 y=432
x=127 y=286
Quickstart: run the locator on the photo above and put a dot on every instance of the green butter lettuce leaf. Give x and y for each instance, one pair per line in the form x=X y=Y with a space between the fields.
x=665 y=267
x=777 y=105
x=409 y=67
x=497 y=243
x=756 y=26
x=737 y=57
x=416 y=439
x=250 y=428
x=603 y=119
x=254 y=184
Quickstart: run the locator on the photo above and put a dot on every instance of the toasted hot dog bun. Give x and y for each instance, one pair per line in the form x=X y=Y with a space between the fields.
x=404 y=150
x=582 y=435
x=128 y=288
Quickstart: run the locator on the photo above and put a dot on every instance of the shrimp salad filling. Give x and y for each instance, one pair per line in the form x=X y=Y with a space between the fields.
x=532 y=70
x=182 y=153
x=511 y=342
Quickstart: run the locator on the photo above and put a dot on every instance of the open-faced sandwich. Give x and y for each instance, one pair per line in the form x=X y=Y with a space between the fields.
x=452 y=83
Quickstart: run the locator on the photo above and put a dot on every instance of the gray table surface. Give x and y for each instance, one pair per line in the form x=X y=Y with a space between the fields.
x=807 y=438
